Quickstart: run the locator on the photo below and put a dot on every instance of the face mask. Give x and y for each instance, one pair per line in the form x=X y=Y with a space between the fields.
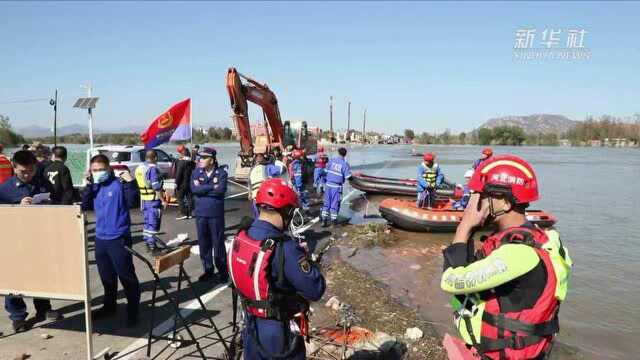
x=99 y=176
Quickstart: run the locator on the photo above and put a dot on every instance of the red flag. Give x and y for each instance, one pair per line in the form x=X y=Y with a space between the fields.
x=161 y=129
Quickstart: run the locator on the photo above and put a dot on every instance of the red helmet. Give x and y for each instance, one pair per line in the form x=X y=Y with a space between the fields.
x=506 y=174
x=180 y=149
x=487 y=151
x=276 y=194
x=428 y=156
x=298 y=154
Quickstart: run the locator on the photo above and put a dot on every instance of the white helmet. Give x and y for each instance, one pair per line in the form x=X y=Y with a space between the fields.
x=468 y=174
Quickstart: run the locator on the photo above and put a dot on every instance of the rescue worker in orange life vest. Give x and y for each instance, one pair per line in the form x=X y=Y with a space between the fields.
x=150 y=184
x=287 y=279
x=506 y=295
x=209 y=185
x=429 y=178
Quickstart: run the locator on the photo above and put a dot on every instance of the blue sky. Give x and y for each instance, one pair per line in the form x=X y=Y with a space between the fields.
x=426 y=65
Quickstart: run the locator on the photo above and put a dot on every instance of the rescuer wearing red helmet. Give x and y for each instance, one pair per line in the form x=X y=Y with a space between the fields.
x=429 y=178
x=506 y=295
x=487 y=153
x=274 y=277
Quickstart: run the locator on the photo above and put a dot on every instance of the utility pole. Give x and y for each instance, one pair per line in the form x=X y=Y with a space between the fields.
x=89 y=88
x=364 y=125
x=331 y=136
x=54 y=102
x=348 y=137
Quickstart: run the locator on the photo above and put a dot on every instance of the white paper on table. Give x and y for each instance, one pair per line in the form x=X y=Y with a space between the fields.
x=41 y=198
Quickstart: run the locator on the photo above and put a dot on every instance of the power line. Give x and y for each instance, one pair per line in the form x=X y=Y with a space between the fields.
x=23 y=101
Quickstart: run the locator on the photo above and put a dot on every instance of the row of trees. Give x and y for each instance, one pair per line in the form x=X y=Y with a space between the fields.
x=213 y=134
x=604 y=127
x=7 y=136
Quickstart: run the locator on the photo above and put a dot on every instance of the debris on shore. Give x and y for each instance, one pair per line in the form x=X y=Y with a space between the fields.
x=358 y=317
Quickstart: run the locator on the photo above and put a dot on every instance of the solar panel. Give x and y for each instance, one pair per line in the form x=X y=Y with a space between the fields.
x=86 y=103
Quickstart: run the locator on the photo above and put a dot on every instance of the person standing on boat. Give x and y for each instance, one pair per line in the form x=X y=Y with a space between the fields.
x=487 y=153
x=429 y=178
x=150 y=184
x=466 y=192
x=20 y=190
x=337 y=173
x=209 y=185
x=506 y=295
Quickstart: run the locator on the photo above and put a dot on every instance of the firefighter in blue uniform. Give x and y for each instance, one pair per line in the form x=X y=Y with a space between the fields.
x=337 y=172
x=209 y=185
x=290 y=277
x=297 y=170
x=111 y=198
x=20 y=189
x=429 y=179
x=150 y=184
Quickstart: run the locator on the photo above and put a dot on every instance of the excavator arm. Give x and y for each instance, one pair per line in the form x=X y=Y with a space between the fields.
x=261 y=95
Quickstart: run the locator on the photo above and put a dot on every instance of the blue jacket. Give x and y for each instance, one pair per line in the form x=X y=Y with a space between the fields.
x=337 y=171
x=296 y=168
x=208 y=192
x=422 y=183
x=154 y=178
x=464 y=200
x=274 y=170
x=111 y=201
x=310 y=285
x=13 y=190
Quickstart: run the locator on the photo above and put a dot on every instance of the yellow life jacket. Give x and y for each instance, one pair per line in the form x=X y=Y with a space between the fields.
x=146 y=191
x=430 y=174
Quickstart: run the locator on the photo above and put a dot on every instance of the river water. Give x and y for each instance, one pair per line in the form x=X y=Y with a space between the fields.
x=593 y=193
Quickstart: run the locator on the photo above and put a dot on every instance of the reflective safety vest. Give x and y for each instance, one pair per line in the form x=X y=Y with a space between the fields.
x=6 y=168
x=249 y=263
x=146 y=191
x=430 y=174
x=257 y=176
x=527 y=333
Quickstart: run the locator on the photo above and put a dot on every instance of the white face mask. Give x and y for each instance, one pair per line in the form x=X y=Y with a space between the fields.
x=99 y=176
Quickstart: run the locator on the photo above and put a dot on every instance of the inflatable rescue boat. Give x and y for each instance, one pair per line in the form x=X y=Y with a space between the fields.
x=394 y=186
x=406 y=215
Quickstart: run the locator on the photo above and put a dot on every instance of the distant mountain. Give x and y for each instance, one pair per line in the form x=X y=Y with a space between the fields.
x=34 y=131
x=534 y=124
x=39 y=131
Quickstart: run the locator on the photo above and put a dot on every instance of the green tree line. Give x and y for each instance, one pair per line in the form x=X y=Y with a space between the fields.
x=213 y=134
x=605 y=127
x=8 y=137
